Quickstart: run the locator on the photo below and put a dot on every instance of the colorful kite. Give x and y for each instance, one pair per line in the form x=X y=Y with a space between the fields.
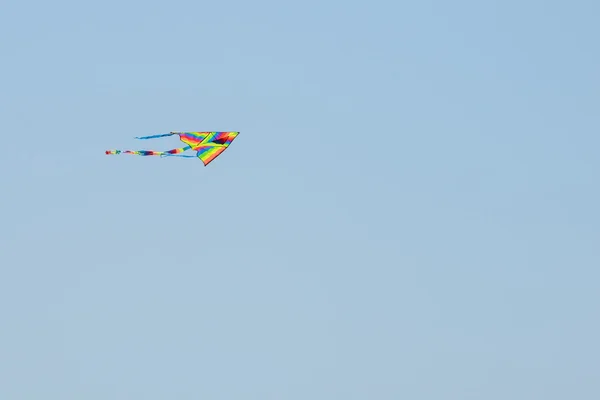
x=207 y=145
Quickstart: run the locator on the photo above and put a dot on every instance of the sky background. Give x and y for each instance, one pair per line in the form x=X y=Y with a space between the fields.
x=409 y=212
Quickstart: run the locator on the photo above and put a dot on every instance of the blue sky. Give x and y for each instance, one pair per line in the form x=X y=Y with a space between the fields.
x=410 y=210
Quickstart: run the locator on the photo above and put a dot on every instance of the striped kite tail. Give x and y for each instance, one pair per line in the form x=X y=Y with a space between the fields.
x=169 y=153
x=156 y=136
x=135 y=152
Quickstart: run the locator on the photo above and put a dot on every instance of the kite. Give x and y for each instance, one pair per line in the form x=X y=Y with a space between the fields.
x=207 y=145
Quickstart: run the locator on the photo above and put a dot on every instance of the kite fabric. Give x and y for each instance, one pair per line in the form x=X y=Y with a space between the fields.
x=207 y=145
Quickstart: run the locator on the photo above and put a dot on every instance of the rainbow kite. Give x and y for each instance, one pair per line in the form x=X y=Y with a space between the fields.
x=207 y=145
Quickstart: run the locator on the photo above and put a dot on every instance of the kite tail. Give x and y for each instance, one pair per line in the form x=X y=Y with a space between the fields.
x=177 y=152
x=155 y=136
x=135 y=152
x=168 y=153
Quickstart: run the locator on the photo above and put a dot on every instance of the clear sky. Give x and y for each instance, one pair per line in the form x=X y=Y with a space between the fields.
x=409 y=212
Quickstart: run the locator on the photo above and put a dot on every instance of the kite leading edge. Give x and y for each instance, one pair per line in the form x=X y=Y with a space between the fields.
x=207 y=145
